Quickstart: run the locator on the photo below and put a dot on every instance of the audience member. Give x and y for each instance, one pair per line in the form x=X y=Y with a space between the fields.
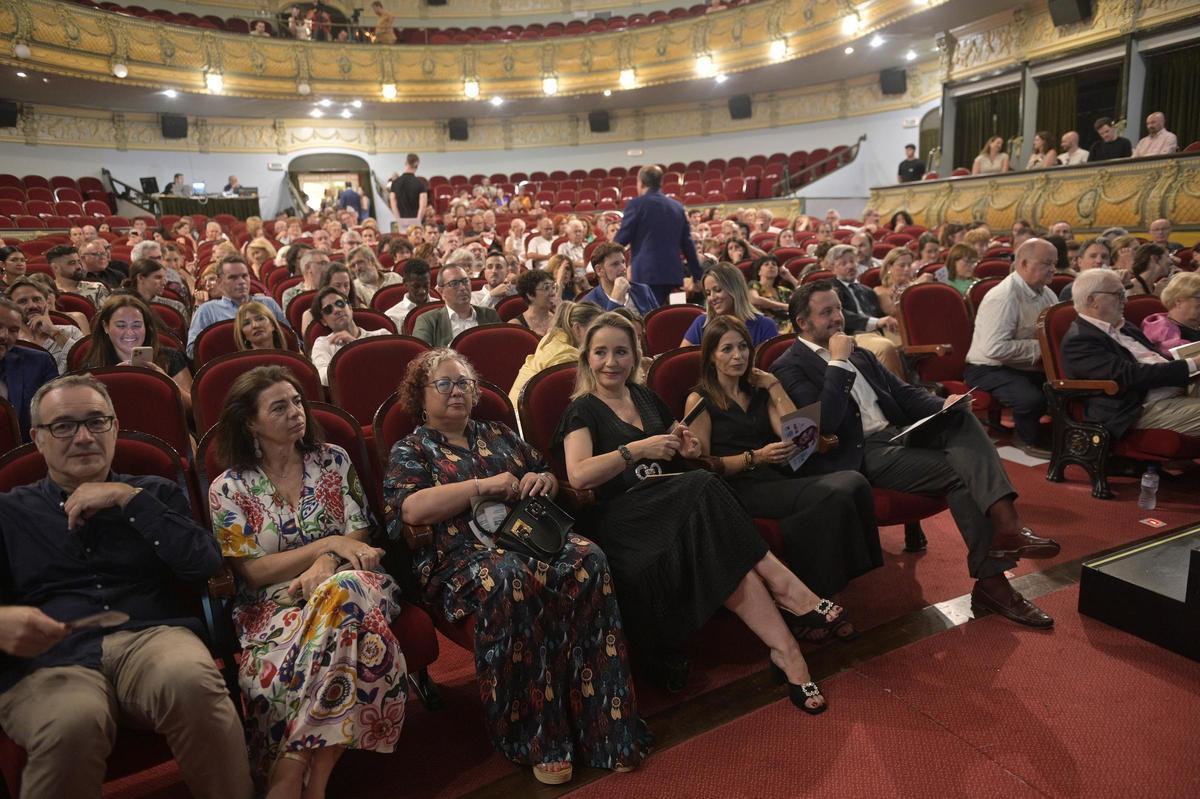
x=1160 y=234
x=1062 y=229
x=147 y=279
x=65 y=691
x=1158 y=140
x=1153 y=392
x=689 y=530
x=23 y=370
x=991 y=159
x=769 y=293
x=538 y=289
x=416 y=281
x=538 y=248
x=1111 y=145
x=69 y=273
x=125 y=323
x=1044 y=155
x=438 y=328
x=726 y=293
x=1005 y=358
x=234 y=280
x=865 y=319
x=1072 y=153
x=1181 y=323
x=289 y=514
x=1093 y=254
x=260 y=28
x=655 y=228
x=259 y=252
x=339 y=277
x=369 y=274
x=865 y=406
x=864 y=248
x=895 y=276
x=960 y=267
x=37 y=326
x=256 y=328
x=498 y=283
x=13 y=264
x=97 y=266
x=1151 y=270
x=614 y=289
x=559 y=345
x=313 y=265
x=911 y=168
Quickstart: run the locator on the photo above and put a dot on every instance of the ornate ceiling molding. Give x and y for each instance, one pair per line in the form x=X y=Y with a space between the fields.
x=407 y=10
x=72 y=40
x=53 y=126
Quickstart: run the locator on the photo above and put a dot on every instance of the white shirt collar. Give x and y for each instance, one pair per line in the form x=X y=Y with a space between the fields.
x=817 y=348
x=454 y=316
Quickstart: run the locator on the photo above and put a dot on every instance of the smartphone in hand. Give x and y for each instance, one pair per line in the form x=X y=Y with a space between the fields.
x=142 y=356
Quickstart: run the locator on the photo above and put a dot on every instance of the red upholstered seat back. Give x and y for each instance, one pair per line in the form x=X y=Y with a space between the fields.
x=542 y=402
x=672 y=376
x=213 y=380
x=771 y=349
x=1138 y=308
x=497 y=351
x=666 y=325
x=147 y=401
x=364 y=373
x=1052 y=326
x=979 y=288
x=934 y=313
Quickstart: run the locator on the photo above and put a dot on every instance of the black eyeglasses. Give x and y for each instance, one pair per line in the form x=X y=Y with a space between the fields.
x=445 y=385
x=67 y=428
x=1119 y=294
x=328 y=309
x=461 y=283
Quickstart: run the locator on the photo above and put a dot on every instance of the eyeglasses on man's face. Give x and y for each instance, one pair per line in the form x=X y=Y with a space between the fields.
x=67 y=428
x=461 y=283
x=445 y=385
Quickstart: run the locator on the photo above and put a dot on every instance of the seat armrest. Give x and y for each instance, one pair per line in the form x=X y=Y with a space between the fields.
x=925 y=350
x=826 y=443
x=1108 y=387
x=222 y=585
x=574 y=500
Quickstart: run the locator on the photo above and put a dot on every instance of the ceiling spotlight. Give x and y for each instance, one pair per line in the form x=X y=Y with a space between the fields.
x=170 y=93
x=303 y=89
x=316 y=113
x=346 y=114
x=120 y=70
x=911 y=55
x=876 y=40
x=550 y=85
x=608 y=92
x=850 y=24
x=21 y=50
x=497 y=101
x=325 y=102
x=45 y=80
x=356 y=103
x=388 y=90
x=215 y=82
x=705 y=67
x=778 y=49
x=721 y=77
x=471 y=88
x=628 y=79
x=848 y=51
x=22 y=75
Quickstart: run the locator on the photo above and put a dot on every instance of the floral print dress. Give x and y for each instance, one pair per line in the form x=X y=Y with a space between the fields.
x=550 y=651
x=323 y=672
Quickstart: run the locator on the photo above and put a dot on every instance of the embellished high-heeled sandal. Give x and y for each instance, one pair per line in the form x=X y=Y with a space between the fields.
x=816 y=627
x=800 y=694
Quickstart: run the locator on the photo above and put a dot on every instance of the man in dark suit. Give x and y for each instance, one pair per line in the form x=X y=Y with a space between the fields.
x=22 y=370
x=657 y=228
x=865 y=405
x=864 y=317
x=1101 y=345
x=438 y=328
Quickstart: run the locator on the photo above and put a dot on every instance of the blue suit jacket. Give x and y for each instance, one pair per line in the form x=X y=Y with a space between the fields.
x=25 y=371
x=643 y=298
x=807 y=378
x=657 y=228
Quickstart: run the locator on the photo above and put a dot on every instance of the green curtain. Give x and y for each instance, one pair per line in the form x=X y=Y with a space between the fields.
x=1171 y=88
x=981 y=116
x=1056 y=108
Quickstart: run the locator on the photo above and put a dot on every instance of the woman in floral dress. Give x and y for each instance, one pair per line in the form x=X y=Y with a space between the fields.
x=321 y=671
x=550 y=652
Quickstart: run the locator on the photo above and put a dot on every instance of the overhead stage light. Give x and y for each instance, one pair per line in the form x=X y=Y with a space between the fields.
x=388 y=90
x=778 y=49
x=214 y=82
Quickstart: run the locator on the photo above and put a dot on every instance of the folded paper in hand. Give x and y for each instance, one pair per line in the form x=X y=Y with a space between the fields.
x=965 y=398
x=803 y=428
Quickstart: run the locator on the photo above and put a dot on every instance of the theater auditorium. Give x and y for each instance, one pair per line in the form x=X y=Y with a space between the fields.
x=599 y=398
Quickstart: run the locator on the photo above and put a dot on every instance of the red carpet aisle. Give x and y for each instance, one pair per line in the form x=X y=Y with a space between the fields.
x=983 y=710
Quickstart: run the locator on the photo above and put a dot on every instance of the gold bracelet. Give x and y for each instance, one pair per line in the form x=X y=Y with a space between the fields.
x=749 y=456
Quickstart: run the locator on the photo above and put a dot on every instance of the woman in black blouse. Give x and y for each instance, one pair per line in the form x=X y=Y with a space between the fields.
x=828 y=521
x=679 y=545
x=124 y=323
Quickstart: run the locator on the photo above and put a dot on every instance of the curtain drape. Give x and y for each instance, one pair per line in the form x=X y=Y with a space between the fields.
x=1171 y=88
x=1056 y=108
x=981 y=116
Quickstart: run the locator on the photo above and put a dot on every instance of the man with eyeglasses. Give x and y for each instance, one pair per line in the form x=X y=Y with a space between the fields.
x=84 y=541
x=69 y=274
x=1154 y=392
x=1005 y=357
x=333 y=310
x=234 y=276
x=22 y=370
x=100 y=268
x=313 y=264
x=438 y=328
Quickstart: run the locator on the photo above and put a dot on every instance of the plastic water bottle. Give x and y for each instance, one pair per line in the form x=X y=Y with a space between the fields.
x=1149 y=496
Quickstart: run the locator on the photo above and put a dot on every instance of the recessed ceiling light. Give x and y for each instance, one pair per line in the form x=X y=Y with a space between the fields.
x=325 y=103
x=346 y=113
x=608 y=92
x=497 y=101
x=215 y=82
x=876 y=40
x=721 y=77
x=550 y=85
x=316 y=113
x=848 y=51
x=170 y=93
x=388 y=90
x=45 y=80
x=778 y=49
x=21 y=50
x=850 y=24
x=628 y=78
x=911 y=55
x=705 y=67
x=356 y=103
x=22 y=75
x=471 y=88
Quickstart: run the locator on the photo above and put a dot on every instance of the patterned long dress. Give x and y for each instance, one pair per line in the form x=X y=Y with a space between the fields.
x=550 y=652
x=323 y=672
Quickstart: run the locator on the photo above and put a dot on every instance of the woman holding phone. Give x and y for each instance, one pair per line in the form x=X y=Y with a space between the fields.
x=124 y=333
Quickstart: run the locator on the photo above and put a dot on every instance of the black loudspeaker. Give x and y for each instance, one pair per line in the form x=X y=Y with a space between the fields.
x=174 y=126
x=458 y=129
x=893 y=81
x=598 y=121
x=435 y=2
x=739 y=106
x=1067 y=12
x=9 y=112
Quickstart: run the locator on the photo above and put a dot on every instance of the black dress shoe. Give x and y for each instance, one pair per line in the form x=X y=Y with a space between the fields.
x=1000 y=597
x=1023 y=544
x=914 y=538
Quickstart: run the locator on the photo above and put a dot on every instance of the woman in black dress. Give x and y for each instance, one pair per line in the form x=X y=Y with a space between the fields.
x=735 y=412
x=680 y=545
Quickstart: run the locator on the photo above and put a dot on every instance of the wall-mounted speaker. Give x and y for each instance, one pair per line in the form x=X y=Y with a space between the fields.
x=598 y=121
x=739 y=106
x=9 y=113
x=1068 y=12
x=174 y=126
x=458 y=129
x=893 y=81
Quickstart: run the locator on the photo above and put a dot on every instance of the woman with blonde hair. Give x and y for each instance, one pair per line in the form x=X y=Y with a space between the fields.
x=256 y=328
x=559 y=345
x=726 y=293
x=897 y=274
x=991 y=159
x=1181 y=323
x=259 y=252
x=369 y=274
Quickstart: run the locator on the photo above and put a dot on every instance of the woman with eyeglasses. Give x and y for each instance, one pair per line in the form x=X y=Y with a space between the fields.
x=321 y=671
x=539 y=290
x=124 y=323
x=550 y=652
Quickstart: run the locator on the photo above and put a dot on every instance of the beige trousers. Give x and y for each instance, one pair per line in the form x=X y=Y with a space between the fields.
x=1181 y=414
x=885 y=350
x=161 y=679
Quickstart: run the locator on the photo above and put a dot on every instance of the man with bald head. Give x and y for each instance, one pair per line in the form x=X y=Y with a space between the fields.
x=1154 y=393
x=1160 y=234
x=1158 y=140
x=1072 y=153
x=1005 y=358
